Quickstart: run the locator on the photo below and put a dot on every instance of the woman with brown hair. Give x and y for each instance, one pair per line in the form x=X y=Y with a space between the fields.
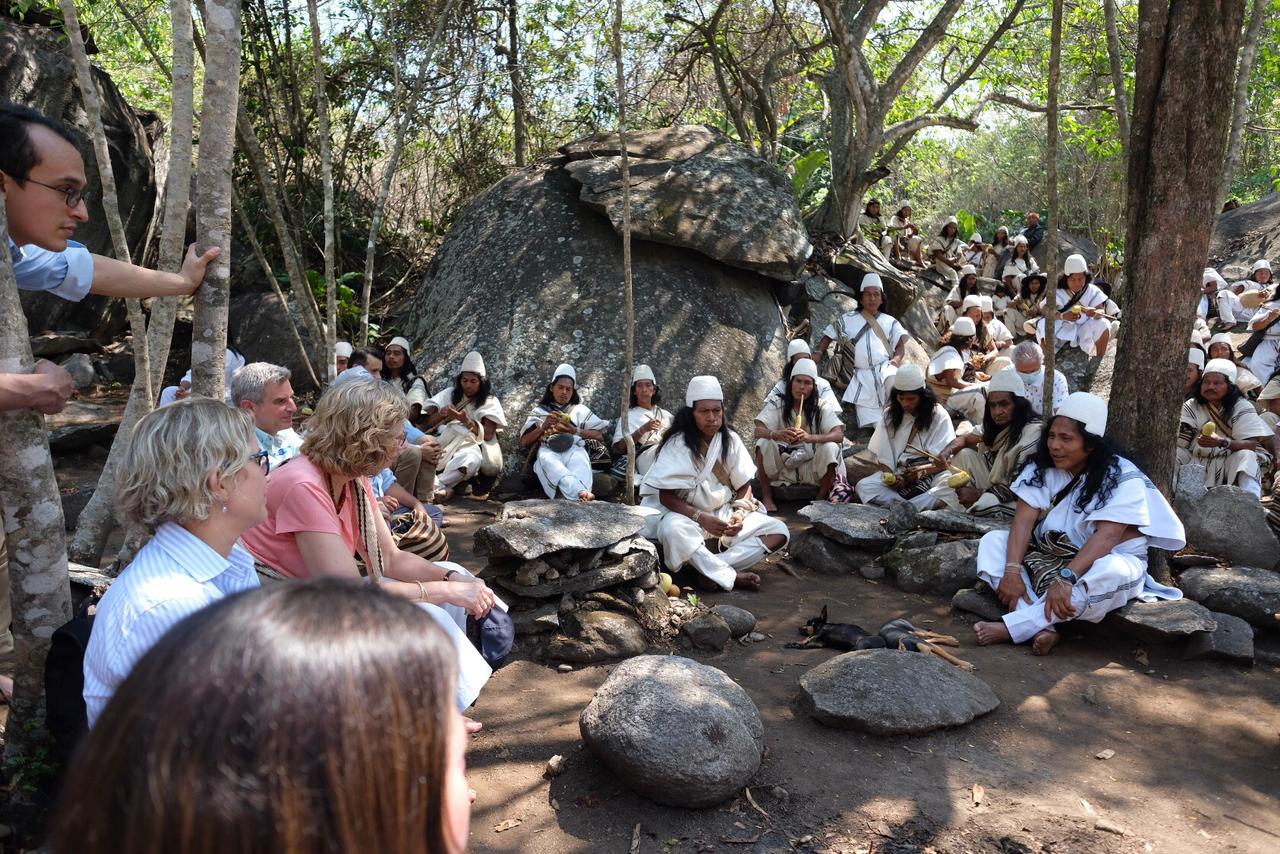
x=249 y=746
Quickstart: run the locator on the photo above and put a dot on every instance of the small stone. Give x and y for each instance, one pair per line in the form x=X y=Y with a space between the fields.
x=980 y=601
x=551 y=574
x=555 y=766
x=1104 y=754
x=530 y=574
x=740 y=620
x=709 y=632
x=565 y=668
x=1090 y=695
x=80 y=367
x=917 y=540
x=756 y=637
x=1109 y=827
x=942 y=569
x=1232 y=640
x=1243 y=591
x=872 y=571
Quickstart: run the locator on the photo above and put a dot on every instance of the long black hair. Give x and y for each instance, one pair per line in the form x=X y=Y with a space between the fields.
x=1234 y=394
x=684 y=426
x=549 y=399
x=482 y=394
x=789 y=402
x=960 y=342
x=924 y=412
x=1101 y=472
x=1026 y=286
x=1023 y=415
x=408 y=374
x=967 y=288
x=657 y=394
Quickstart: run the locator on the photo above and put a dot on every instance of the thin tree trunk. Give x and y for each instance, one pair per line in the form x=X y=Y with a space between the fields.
x=326 y=178
x=35 y=539
x=1240 y=99
x=519 y=132
x=1117 y=76
x=1051 y=190
x=628 y=299
x=1181 y=115
x=213 y=194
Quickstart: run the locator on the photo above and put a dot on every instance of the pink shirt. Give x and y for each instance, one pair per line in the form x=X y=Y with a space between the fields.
x=298 y=500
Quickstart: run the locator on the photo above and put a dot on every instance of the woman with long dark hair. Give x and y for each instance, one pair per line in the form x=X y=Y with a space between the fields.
x=1077 y=550
x=954 y=306
x=699 y=488
x=398 y=369
x=952 y=372
x=1082 y=320
x=798 y=440
x=647 y=421
x=995 y=253
x=946 y=251
x=558 y=425
x=1222 y=347
x=1235 y=450
x=466 y=418
x=914 y=428
x=1028 y=305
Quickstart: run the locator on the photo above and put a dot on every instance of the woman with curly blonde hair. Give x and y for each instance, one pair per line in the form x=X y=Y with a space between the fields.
x=321 y=513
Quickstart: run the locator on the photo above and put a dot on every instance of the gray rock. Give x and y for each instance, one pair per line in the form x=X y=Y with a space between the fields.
x=1232 y=640
x=1162 y=621
x=857 y=525
x=942 y=569
x=631 y=567
x=1229 y=523
x=654 y=611
x=56 y=343
x=825 y=556
x=957 y=522
x=709 y=632
x=670 y=143
x=917 y=540
x=254 y=318
x=980 y=601
x=545 y=618
x=1190 y=483
x=597 y=636
x=563 y=307
x=872 y=571
x=900 y=517
x=676 y=731
x=1243 y=591
x=794 y=493
x=740 y=620
x=530 y=529
x=888 y=692
x=725 y=202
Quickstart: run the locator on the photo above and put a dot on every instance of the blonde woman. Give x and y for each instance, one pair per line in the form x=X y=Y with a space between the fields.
x=195 y=477
x=321 y=512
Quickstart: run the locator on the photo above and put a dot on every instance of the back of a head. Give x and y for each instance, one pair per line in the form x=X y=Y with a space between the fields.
x=305 y=717
x=17 y=152
x=352 y=424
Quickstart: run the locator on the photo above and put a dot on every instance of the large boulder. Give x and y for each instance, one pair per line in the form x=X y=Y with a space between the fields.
x=531 y=277
x=941 y=569
x=1243 y=591
x=255 y=324
x=1224 y=521
x=889 y=692
x=698 y=189
x=858 y=525
x=676 y=731
x=1231 y=640
x=1244 y=235
x=530 y=529
x=1068 y=244
x=36 y=71
x=825 y=556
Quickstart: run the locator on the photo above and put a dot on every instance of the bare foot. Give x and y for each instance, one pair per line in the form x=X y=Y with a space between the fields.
x=1044 y=641
x=442 y=495
x=746 y=581
x=769 y=505
x=584 y=495
x=473 y=726
x=991 y=633
x=6 y=690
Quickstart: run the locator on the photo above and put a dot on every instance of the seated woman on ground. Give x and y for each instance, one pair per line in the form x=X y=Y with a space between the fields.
x=1020 y=257
x=1028 y=302
x=797 y=440
x=954 y=306
x=953 y=374
x=646 y=421
x=699 y=489
x=1085 y=518
x=398 y=369
x=1221 y=430
x=195 y=476
x=905 y=237
x=914 y=429
x=1259 y=281
x=555 y=430
x=321 y=513
x=466 y=420
x=995 y=252
x=1195 y=370
x=946 y=251
x=1081 y=320
x=316 y=717
x=1222 y=347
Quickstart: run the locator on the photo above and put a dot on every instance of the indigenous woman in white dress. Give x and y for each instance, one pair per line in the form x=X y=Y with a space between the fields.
x=946 y=250
x=466 y=419
x=913 y=422
x=959 y=296
x=1222 y=347
x=1020 y=258
x=1078 y=547
x=1259 y=278
x=646 y=421
x=1236 y=450
x=879 y=344
x=1001 y=337
x=1027 y=306
x=699 y=488
x=797 y=441
x=995 y=252
x=1081 y=321
x=558 y=425
x=952 y=375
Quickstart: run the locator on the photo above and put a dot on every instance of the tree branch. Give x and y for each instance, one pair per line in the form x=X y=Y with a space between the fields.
x=928 y=40
x=1010 y=101
x=1005 y=26
x=898 y=135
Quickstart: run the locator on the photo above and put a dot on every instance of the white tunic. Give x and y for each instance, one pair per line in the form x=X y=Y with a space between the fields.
x=637 y=417
x=872 y=373
x=1263 y=361
x=568 y=472
x=463 y=450
x=1086 y=331
x=889 y=446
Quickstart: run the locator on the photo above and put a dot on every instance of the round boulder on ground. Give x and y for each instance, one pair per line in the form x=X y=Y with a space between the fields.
x=676 y=731
x=889 y=692
x=1247 y=592
x=740 y=620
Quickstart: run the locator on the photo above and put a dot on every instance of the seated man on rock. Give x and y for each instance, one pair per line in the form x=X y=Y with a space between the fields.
x=991 y=464
x=798 y=441
x=799 y=349
x=699 y=490
x=915 y=429
x=264 y=391
x=1028 y=360
x=1085 y=518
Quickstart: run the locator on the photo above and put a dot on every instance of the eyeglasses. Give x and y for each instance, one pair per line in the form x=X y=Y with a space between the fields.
x=263 y=459
x=74 y=196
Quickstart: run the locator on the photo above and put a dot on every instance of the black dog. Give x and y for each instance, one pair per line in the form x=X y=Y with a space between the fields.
x=843 y=636
x=900 y=634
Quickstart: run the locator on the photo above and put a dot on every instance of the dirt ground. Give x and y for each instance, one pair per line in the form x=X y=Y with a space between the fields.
x=1196 y=765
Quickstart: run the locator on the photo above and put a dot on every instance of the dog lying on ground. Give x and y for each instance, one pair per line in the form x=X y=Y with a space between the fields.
x=895 y=634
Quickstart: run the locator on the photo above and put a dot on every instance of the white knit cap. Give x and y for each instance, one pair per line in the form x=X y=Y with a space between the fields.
x=1007 y=380
x=987 y=304
x=473 y=363
x=1011 y=270
x=1195 y=356
x=971 y=301
x=1226 y=367
x=401 y=342
x=1270 y=391
x=1089 y=409
x=1222 y=338
x=871 y=280
x=805 y=368
x=797 y=346
x=968 y=270
x=1075 y=264
x=909 y=378
x=703 y=388
x=565 y=370
x=643 y=372
x=1021 y=238
x=1260 y=264
x=963 y=326
x=975 y=238
x=952 y=221
x=342 y=350
x=1003 y=228
x=1212 y=275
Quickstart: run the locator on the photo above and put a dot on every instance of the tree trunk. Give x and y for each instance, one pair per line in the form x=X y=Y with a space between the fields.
x=1117 y=76
x=1240 y=99
x=1181 y=113
x=35 y=539
x=213 y=194
x=1051 y=191
x=326 y=178
x=628 y=300
x=519 y=132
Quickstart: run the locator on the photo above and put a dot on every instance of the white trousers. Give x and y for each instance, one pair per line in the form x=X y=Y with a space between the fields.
x=872 y=490
x=473 y=670
x=684 y=542
x=568 y=473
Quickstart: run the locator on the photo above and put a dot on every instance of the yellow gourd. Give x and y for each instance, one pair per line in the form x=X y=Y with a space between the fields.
x=958 y=479
x=889 y=479
x=1207 y=430
x=664 y=581
x=1077 y=309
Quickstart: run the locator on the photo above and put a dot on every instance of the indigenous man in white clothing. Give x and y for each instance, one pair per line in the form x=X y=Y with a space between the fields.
x=466 y=419
x=797 y=441
x=559 y=424
x=1078 y=547
x=1237 y=448
x=799 y=349
x=1081 y=319
x=646 y=421
x=699 y=487
x=946 y=251
x=878 y=343
x=914 y=427
x=953 y=376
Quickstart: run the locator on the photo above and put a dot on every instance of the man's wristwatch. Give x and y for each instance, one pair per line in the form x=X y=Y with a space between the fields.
x=1068 y=576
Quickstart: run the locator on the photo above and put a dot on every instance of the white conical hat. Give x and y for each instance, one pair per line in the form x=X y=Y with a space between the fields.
x=1089 y=409
x=805 y=368
x=473 y=363
x=963 y=326
x=565 y=370
x=1226 y=367
x=1195 y=356
x=703 y=388
x=796 y=347
x=643 y=372
x=1075 y=264
x=871 y=280
x=909 y=378
x=342 y=350
x=1008 y=380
